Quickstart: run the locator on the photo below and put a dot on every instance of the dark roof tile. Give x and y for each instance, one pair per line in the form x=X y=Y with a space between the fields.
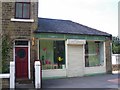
x=46 y=25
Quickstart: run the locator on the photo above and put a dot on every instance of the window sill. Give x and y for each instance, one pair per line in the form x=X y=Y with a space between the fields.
x=22 y=20
x=95 y=66
x=54 y=69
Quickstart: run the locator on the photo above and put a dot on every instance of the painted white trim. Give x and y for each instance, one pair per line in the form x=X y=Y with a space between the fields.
x=4 y=75
x=20 y=46
x=14 y=54
x=104 y=54
x=66 y=54
x=22 y=20
x=29 y=76
x=83 y=56
x=76 y=41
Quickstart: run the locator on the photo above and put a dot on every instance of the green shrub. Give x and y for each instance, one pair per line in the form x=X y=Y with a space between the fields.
x=5 y=53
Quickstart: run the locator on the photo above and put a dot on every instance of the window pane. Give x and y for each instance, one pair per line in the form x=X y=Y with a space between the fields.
x=93 y=56
x=26 y=10
x=46 y=54
x=21 y=53
x=52 y=54
x=94 y=53
x=18 y=10
x=59 y=53
x=59 y=50
x=21 y=42
x=86 y=55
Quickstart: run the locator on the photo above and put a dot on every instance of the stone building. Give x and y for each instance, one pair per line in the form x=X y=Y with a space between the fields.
x=65 y=48
x=19 y=21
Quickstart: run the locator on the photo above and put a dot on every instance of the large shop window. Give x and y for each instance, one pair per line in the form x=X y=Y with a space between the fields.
x=52 y=54
x=94 y=53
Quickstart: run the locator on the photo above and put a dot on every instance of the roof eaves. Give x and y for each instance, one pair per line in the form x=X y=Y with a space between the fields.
x=108 y=35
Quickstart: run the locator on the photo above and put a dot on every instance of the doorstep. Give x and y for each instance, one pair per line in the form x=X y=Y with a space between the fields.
x=24 y=81
x=29 y=86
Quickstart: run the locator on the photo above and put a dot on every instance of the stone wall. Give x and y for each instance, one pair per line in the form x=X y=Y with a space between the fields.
x=0 y=42
x=116 y=67
x=108 y=56
x=17 y=29
x=6 y=83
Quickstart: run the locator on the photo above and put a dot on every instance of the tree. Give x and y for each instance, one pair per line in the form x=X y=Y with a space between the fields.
x=116 y=45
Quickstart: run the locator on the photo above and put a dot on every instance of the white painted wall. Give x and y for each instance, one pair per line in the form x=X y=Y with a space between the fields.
x=53 y=73
x=115 y=58
x=94 y=70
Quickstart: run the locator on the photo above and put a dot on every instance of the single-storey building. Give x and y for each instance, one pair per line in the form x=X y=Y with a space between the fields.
x=69 y=49
x=65 y=48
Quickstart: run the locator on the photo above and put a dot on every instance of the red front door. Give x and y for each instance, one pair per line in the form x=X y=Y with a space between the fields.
x=21 y=62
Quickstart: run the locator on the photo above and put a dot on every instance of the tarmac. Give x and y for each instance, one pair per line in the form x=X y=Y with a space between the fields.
x=104 y=81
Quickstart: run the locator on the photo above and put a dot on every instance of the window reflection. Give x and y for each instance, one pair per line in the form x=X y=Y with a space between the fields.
x=94 y=53
x=52 y=54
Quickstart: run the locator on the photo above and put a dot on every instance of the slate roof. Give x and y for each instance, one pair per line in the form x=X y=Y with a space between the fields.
x=46 y=25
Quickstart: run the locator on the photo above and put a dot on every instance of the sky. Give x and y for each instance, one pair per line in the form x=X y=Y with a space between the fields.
x=98 y=14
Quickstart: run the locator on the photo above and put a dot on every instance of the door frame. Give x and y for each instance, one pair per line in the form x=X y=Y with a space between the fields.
x=14 y=46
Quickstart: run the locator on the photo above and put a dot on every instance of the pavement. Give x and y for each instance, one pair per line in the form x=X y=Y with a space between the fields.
x=111 y=81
